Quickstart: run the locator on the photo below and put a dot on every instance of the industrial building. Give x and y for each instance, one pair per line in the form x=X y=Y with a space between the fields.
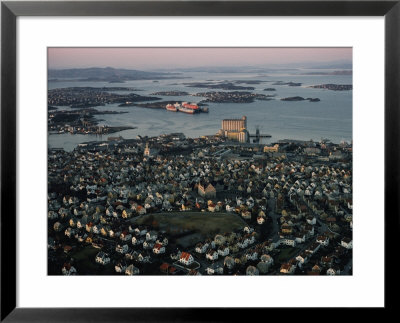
x=235 y=129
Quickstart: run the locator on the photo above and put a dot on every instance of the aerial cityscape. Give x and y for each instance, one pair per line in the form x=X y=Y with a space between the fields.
x=200 y=161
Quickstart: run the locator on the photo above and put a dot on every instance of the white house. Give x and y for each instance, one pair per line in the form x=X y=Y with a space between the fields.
x=252 y=255
x=148 y=244
x=102 y=258
x=68 y=270
x=242 y=243
x=131 y=270
x=332 y=272
x=120 y=268
x=252 y=271
x=69 y=232
x=186 y=258
x=122 y=249
x=302 y=259
x=288 y=242
x=125 y=236
x=137 y=240
x=151 y=236
x=347 y=243
x=158 y=248
x=163 y=241
x=215 y=269
x=313 y=248
x=311 y=220
x=260 y=220
x=267 y=259
x=212 y=254
x=201 y=247
x=300 y=237
x=287 y=268
x=229 y=208
x=223 y=251
x=97 y=228
x=323 y=240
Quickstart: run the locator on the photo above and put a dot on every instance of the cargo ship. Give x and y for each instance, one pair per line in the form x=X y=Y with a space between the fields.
x=185 y=107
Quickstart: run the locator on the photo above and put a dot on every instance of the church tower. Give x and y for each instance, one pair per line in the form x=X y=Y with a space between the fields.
x=147 y=150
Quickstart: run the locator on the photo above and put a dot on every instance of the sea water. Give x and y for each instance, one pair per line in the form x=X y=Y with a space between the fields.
x=330 y=118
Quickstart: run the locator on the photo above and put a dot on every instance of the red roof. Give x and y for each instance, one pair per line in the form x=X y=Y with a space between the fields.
x=157 y=246
x=185 y=256
x=164 y=266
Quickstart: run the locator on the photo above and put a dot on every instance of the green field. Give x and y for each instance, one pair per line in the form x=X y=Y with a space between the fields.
x=206 y=223
x=85 y=263
x=286 y=254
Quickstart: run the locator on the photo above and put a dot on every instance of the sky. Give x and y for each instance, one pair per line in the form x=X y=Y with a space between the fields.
x=161 y=58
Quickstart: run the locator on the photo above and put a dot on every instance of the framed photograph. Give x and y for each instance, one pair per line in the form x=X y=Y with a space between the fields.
x=252 y=145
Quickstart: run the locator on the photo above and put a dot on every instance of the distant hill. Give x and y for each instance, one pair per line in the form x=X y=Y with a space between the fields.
x=344 y=65
x=343 y=72
x=108 y=74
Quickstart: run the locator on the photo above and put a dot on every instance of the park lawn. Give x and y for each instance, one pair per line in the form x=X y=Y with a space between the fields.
x=84 y=258
x=286 y=254
x=207 y=223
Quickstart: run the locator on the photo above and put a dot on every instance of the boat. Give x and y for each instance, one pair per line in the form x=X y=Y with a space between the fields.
x=186 y=110
x=172 y=108
x=192 y=106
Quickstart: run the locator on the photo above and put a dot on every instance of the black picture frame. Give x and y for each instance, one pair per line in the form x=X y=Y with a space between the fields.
x=10 y=10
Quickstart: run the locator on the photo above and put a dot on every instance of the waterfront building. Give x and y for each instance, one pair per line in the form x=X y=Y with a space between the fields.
x=271 y=149
x=235 y=129
x=234 y=124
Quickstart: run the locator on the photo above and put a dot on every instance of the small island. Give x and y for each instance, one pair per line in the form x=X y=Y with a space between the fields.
x=250 y=82
x=342 y=72
x=81 y=122
x=270 y=89
x=171 y=93
x=299 y=98
x=220 y=86
x=333 y=87
x=233 y=97
x=286 y=83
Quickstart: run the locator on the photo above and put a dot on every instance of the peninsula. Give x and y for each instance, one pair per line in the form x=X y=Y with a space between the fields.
x=333 y=87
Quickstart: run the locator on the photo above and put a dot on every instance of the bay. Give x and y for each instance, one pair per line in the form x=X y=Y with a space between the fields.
x=330 y=118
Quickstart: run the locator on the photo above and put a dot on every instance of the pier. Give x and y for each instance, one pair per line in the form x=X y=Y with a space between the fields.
x=260 y=136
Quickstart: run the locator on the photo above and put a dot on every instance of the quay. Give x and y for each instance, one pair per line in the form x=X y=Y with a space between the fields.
x=259 y=136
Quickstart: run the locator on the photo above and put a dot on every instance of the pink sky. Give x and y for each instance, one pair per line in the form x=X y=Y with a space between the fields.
x=151 y=58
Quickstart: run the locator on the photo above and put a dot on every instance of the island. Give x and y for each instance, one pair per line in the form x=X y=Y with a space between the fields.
x=154 y=105
x=342 y=72
x=333 y=87
x=108 y=74
x=81 y=122
x=249 y=81
x=233 y=97
x=270 y=89
x=220 y=86
x=286 y=83
x=87 y=97
x=299 y=98
x=171 y=93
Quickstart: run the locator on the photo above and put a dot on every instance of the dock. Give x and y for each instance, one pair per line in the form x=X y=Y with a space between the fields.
x=260 y=136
